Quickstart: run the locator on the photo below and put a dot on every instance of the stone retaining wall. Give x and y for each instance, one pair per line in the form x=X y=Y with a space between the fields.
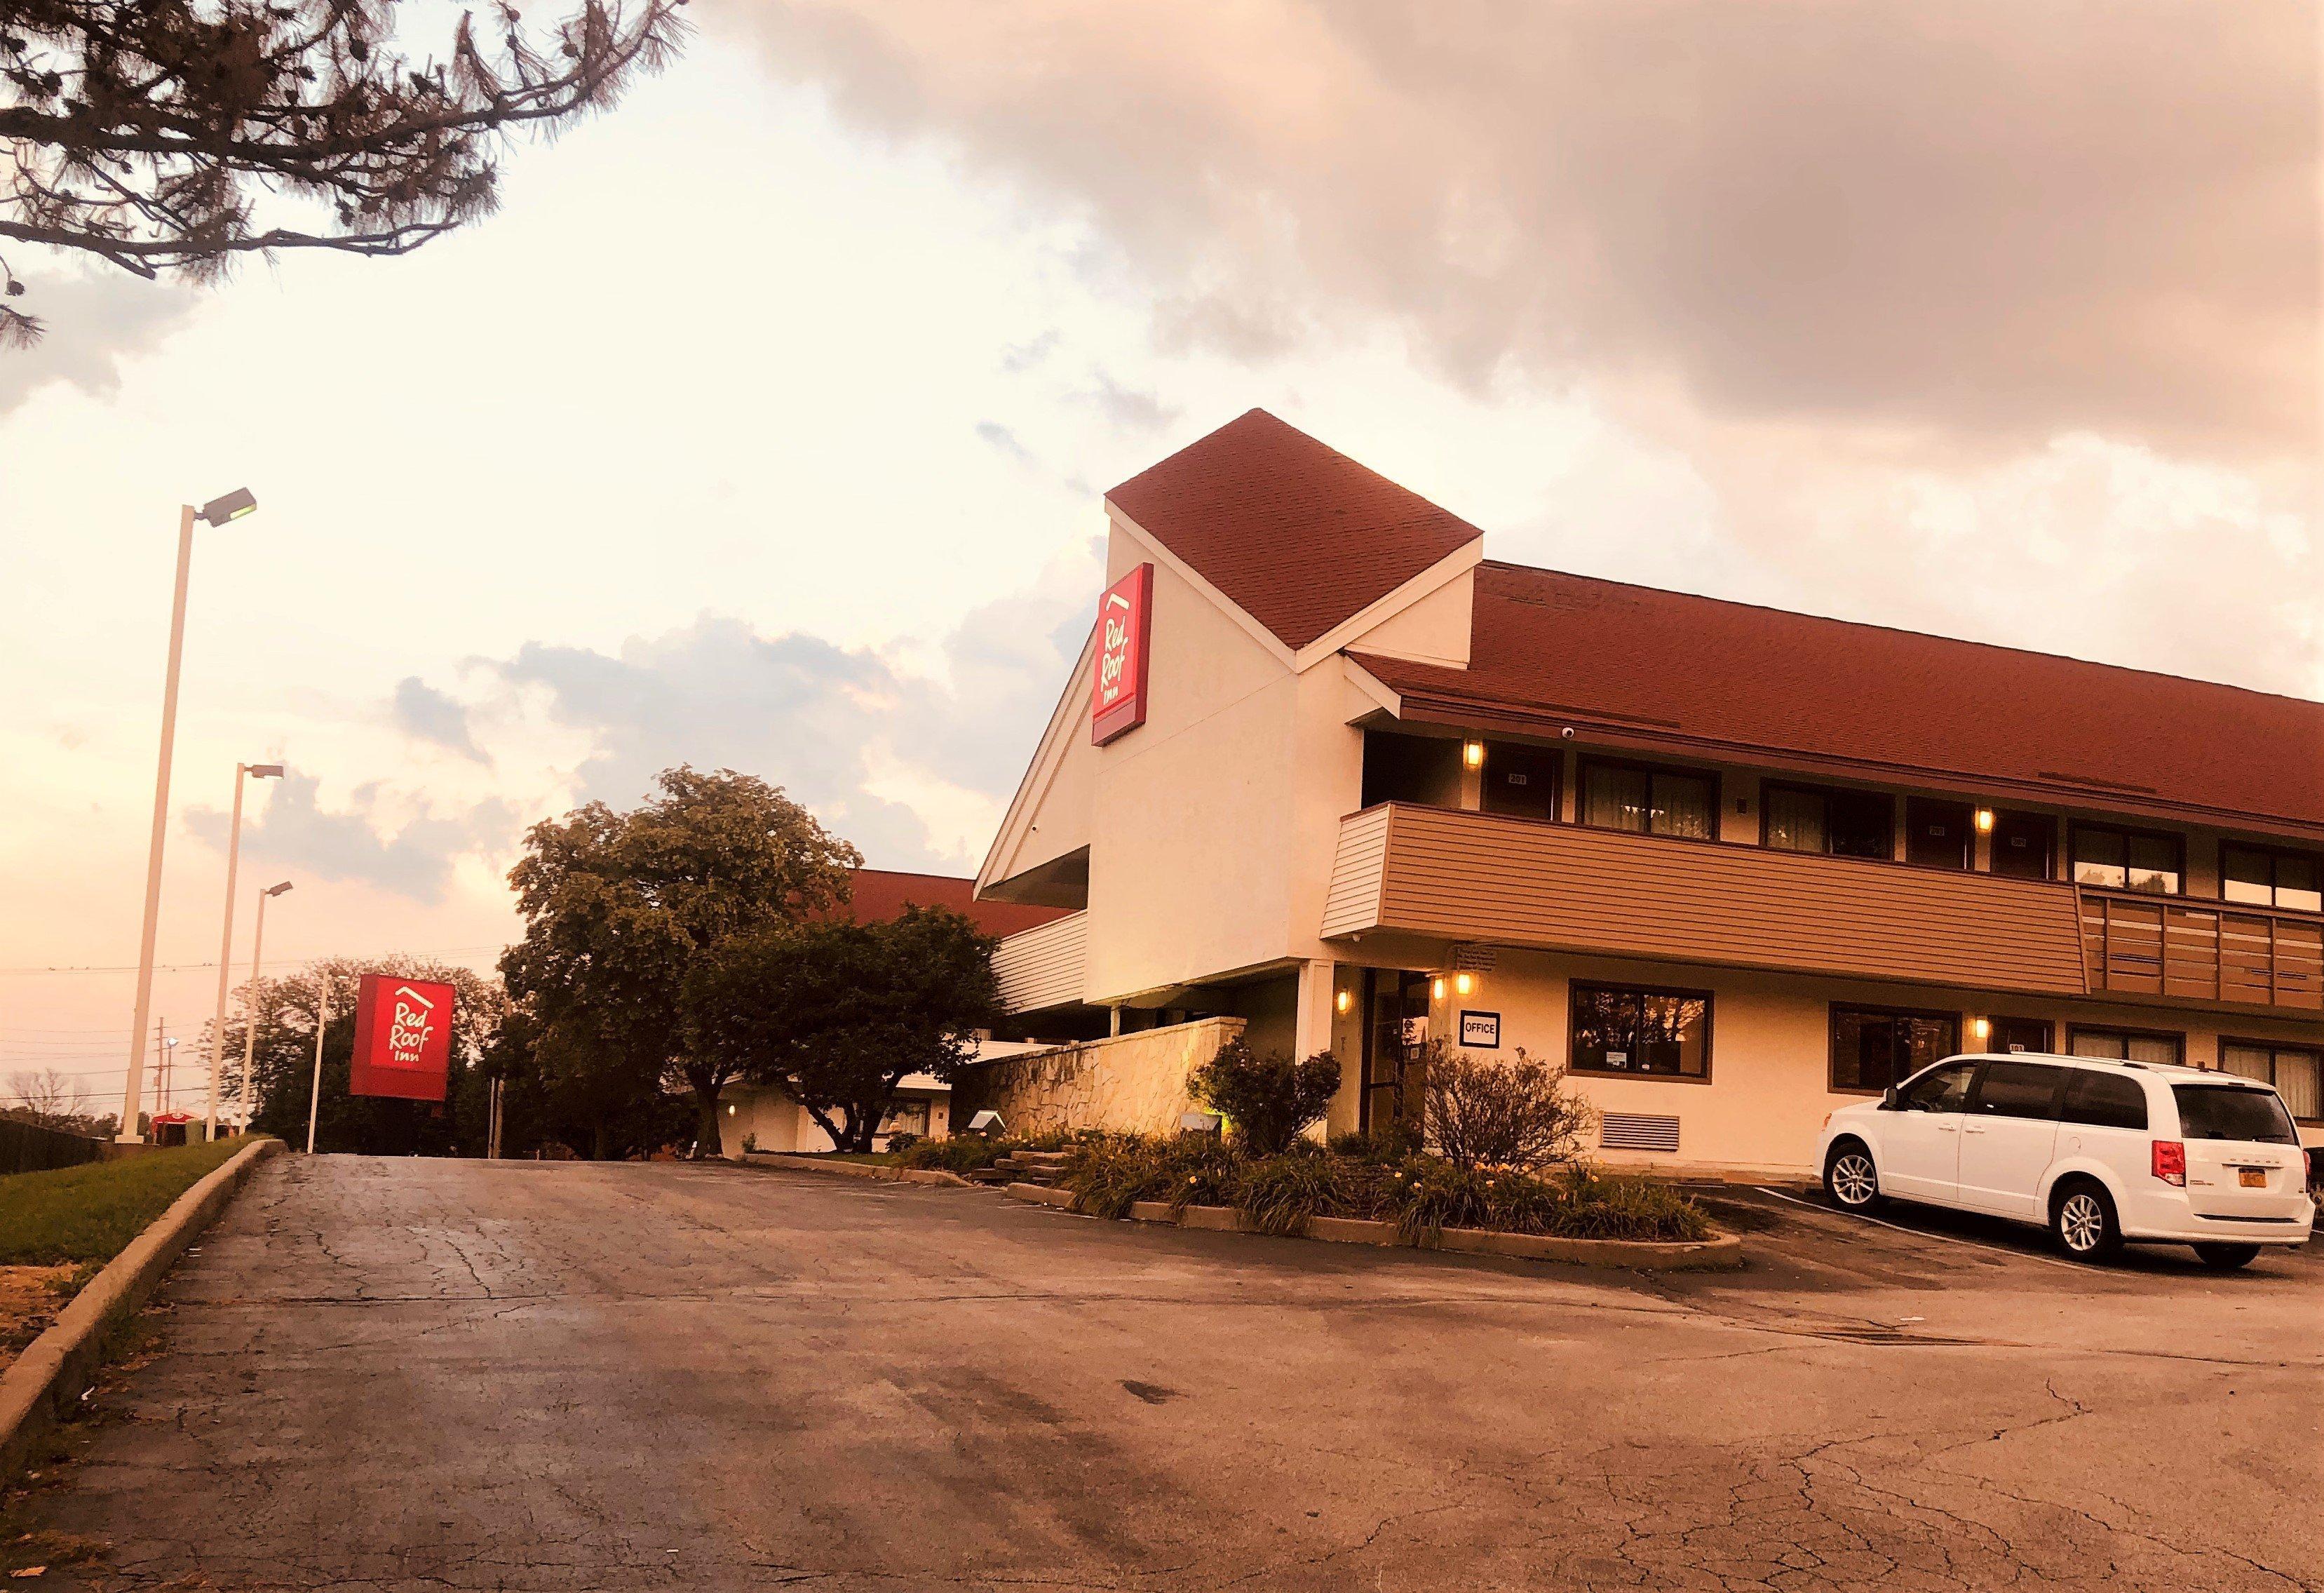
x=1129 y=1083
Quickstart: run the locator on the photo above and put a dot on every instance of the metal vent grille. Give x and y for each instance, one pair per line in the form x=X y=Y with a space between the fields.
x=1637 y=1131
x=1473 y=960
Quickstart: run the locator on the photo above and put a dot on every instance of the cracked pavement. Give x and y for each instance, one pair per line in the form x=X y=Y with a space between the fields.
x=398 y=1374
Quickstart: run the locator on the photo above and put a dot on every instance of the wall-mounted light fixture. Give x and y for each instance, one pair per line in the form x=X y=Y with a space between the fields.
x=1980 y=1028
x=730 y=1108
x=1464 y=982
x=1985 y=821
x=1343 y=1001
x=1437 y=989
x=1473 y=753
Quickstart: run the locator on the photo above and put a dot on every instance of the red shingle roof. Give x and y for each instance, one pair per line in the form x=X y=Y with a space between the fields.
x=882 y=894
x=1298 y=536
x=1699 y=669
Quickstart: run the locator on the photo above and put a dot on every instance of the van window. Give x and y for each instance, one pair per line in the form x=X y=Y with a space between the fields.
x=1940 y=1090
x=2224 y=1111
x=2105 y=1100
x=2016 y=1089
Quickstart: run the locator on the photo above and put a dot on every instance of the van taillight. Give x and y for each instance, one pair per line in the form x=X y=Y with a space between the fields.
x=2171 y=1162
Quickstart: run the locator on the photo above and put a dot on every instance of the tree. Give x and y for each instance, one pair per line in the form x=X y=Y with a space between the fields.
x=837 y=1014
x=618 y=906
x=47 y=1097
x=178 y=135
x=282 y=1068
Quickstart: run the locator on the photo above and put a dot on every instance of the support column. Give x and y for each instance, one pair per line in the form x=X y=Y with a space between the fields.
x=1320 y=1027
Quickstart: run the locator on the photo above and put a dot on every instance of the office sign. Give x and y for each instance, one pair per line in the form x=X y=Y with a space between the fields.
x=1124 y=616
x=403 y=1038
x=1481 y=1030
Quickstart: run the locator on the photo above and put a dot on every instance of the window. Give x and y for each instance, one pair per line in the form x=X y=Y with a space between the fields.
x=2270 y=878
x=1873 y=1047
x=1656 y=1034
x=2127 y=859
x=2022 y=843
x=2229 y=1111
x=2103 y=1100
x=1940 y=1090
x=1520 y=781
x=2127 y=1045
x=906 y=1117
x=2017 y=1089
x=2297 y=1071
x=1411 y=769
x=1649 y=801
x=1842 y=823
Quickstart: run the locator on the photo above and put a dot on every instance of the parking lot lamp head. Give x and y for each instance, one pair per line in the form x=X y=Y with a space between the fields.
x=233 y=506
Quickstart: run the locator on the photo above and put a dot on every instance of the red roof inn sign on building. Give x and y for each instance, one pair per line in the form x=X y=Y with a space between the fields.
x=1118 y=699
x=403 y=1038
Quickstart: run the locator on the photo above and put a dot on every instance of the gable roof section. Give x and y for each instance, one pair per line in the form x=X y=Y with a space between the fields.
x=1667 y=667
x=1298 y=536
x=882 y=894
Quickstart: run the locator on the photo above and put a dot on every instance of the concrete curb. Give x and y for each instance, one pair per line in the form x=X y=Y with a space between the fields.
x=935 y=1175
x=55 y=1368
x=1721 y=1251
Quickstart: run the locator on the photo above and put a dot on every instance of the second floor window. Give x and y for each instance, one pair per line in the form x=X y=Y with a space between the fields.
x=1649 y=801
x=1844 y=823
x=2127 y=859
x=2269 y=879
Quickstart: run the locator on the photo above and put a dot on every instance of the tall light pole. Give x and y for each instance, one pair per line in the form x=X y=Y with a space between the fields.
x=250 y=998
x=241 y=771
x=322 y=1020
x=216 y=511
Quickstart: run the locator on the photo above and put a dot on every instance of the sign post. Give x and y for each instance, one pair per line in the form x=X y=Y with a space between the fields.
x=315 y=1096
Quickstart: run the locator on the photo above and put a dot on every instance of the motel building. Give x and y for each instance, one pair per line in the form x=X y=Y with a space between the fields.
x=1328 y=776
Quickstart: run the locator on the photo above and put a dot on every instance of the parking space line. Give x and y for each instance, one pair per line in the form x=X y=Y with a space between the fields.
x=1923 y=1233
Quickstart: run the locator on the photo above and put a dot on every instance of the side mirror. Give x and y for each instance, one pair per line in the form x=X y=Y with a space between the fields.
x=1890 y=1101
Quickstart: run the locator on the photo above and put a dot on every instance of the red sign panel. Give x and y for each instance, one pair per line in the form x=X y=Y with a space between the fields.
x=1118 y=699
x=403 y=1038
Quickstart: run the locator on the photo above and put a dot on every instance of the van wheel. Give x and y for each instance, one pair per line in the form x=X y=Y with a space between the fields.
x=2226 y=1258
x=2082 y=1216
x=1850 y=1179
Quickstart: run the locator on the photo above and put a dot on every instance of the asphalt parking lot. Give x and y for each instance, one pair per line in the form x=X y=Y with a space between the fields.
x=415 y=1373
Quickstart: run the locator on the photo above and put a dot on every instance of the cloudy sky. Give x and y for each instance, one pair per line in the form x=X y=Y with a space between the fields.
x=766 y=426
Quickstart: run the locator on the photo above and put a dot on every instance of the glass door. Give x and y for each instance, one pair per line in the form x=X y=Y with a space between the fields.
x=1397 y=1003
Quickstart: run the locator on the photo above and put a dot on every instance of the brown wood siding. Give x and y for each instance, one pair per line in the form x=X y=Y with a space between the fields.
x=1354 y=901
x=2171 y=946
x=1477 y=876
x=1042 y=967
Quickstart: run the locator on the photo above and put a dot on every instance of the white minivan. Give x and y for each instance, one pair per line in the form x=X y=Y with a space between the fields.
x=2099 y=1151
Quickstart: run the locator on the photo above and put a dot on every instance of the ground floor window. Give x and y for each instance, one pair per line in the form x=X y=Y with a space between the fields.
x=2127 y=1046
x=1625 y=1030
x=906 y=1117
x=2297 y=1071
x=1874 y=1047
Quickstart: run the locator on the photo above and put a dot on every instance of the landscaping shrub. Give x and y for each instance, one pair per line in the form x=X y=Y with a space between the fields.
x=1268 y=1101
x=1109 y=1174
x=1603 y=1208
x=965 y=1152
x=1483 y=1113
x=1280 y=1193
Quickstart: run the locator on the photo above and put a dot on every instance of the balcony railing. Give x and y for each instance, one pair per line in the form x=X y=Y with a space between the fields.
x=1512 y=882
x=2171 y=946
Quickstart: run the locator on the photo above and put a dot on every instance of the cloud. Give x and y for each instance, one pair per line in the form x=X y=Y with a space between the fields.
x=1971 y=224
x=1130 y=409
x=415 y=859
x=422 y=711
x=1003 y=441
x=96 y=320
x=912 y=764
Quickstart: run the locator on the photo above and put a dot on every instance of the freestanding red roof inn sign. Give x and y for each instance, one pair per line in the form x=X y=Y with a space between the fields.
x=403 y=1038
x=1118 y=695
